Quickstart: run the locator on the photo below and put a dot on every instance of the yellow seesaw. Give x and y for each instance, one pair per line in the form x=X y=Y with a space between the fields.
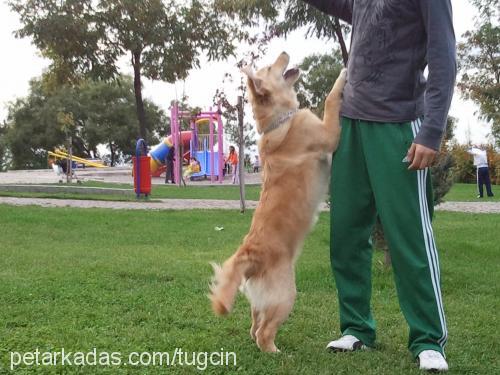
x=64 y=155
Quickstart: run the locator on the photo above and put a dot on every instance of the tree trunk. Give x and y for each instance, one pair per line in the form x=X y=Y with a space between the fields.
x=340 y=38
x=112 y=151
x=141 y=114
x=241 y=157
x=379 y=241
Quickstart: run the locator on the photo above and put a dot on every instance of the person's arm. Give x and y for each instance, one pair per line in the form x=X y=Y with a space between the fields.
x=441 y=60
x=337 y=8
x=473 y=151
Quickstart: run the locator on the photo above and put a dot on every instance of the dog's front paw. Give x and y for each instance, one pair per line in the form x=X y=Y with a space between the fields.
x=341 y=78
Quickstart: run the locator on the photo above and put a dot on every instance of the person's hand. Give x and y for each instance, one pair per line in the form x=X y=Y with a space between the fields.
x=420 y=157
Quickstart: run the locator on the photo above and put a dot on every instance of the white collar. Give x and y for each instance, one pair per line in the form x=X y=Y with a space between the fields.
x=280 y=120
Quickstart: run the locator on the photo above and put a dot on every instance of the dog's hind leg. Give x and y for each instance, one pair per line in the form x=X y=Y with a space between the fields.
x=277 y=309
x=272 y=318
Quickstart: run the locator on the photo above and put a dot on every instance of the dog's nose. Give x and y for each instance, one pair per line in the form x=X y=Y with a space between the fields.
x=284 y=54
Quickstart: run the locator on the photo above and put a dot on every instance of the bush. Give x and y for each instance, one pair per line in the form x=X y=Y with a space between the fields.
x=442 y=177
x=464 y=170
x=494 y=164
x=496 y=169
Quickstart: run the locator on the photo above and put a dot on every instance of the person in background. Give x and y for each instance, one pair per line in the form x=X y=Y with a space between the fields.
x=57 y=169
x=256 y=164
x=193 y=167
x=169 y=164
x=482 y=170
x=233 y=160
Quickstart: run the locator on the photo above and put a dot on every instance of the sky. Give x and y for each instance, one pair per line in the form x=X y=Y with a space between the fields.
x=21 y=62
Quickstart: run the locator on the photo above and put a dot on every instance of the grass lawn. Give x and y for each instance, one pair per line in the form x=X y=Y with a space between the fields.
x=78 y=196
x=468 y=193
x=128 y=281
x=224 y=192
x=458 y=193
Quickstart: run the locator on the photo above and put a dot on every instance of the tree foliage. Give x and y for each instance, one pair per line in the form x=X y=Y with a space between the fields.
x=92 y=113
x=163 y=40
x=318 y=73
x=479 y=59
x=441 y=171
x=464 y=170
x=285 y=16
x=4 y=151
x=231 y=130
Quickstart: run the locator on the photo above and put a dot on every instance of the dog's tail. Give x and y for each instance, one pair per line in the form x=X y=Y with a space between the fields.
x=226 y=281
x=331 y=117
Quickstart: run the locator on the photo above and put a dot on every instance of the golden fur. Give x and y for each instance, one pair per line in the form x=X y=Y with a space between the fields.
x=296 y=159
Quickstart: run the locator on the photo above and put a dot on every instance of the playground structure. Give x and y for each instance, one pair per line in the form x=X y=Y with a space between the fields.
x=160 y=152
x=58 y=154
x=206 y=148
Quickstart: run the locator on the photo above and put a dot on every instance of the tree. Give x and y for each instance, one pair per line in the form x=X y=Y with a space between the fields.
x=162 y=39
x=285 y=16
x=441 y=171
x=110 y=113
x=463 y=168
x=299 y=14
x=230 y=118
x=231 y=130
x=318 y=74
x=4 y=152
x=31 y=129
x=92 y=113
x=479 y=63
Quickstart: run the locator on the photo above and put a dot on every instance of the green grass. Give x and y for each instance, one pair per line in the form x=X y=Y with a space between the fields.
x=136 y=281
x=78 y=196
x=468 y=193
x=224 y=192
x=458 y=193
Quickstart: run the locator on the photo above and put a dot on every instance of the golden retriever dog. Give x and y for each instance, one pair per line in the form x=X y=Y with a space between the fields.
x=295 y=148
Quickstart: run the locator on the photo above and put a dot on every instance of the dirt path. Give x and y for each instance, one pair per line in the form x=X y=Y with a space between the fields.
x=209 y=204
x=473 y=207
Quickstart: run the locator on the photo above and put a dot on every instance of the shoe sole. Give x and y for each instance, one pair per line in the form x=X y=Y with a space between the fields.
x=433 y=370
x=355 y=347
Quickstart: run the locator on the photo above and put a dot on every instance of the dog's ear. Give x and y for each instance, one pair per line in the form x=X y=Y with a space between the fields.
x=291 y=76
x=254 y=84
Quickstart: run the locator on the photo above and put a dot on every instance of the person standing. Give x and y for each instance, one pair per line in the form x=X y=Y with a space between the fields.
x=169 y=164
x=482 y=171
x=391 y=133
x=56 y=167
x=256 y=164
x=233 y=160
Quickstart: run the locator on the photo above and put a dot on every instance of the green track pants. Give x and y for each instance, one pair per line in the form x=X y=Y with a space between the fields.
x=370 y=176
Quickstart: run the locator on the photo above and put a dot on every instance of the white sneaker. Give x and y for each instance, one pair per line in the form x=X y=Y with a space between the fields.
x=347 y=343
x=432 y=360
